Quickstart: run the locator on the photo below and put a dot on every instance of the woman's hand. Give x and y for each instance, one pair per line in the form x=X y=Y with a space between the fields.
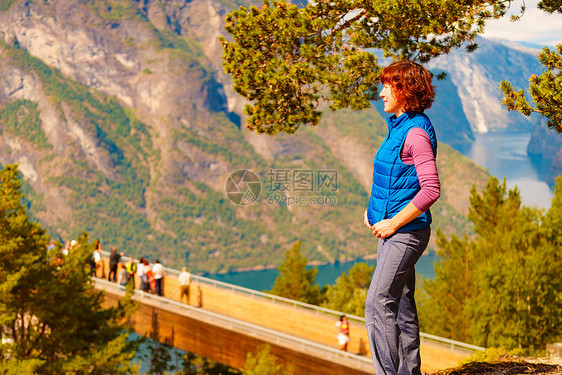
x=384 y=228
x=366 y=221
x=387 y=227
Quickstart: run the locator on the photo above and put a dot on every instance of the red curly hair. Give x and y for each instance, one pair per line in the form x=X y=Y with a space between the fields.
x=411 y=85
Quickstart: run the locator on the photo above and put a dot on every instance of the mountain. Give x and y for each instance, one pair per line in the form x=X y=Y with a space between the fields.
x=469 y=100
x=124 y=125
x=477 y=77
x=526 y=47
x=447 y=116
x=546 y=145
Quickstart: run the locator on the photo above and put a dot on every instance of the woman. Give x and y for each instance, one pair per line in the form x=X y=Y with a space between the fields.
x=141 y=275
x=343 y=332
x=148 y=276
x=405 y=185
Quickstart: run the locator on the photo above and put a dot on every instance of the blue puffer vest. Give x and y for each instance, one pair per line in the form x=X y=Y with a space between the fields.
x=394 y=183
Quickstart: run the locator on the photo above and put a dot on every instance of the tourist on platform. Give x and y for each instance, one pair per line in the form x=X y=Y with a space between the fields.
x=66 y=249
x=59 y=258
x=405 y=185
x=113 y=262
x=95 y=261
x=185 y=280
x=147 y=276
x=50 y=251
x=123 y=277
x=131 y=269
x=63 y=253
x=343 y=332
x=140 y=273
x=158 y=272
x=51 y=246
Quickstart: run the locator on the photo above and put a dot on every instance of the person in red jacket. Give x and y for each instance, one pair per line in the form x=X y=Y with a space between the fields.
x=343 y=332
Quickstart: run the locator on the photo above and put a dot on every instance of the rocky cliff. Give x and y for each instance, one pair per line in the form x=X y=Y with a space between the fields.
x=124 y=125
x=474 y=78
x=546 y=144
x=477 y=77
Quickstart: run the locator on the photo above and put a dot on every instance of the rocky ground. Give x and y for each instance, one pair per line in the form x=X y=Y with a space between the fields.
x=508 y=366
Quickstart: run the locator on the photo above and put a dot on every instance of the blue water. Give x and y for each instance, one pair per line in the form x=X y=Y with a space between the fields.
x=142 y=356
x=504 y=154
x=327 y=274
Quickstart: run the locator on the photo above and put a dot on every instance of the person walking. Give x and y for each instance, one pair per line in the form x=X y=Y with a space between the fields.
x=113 y=262
x=405 y=185
x=158 y=274
x=343 y=332
x=131 y=269
x=185 y=280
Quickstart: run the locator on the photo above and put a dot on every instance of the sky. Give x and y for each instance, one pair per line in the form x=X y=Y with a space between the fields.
x=535 y=26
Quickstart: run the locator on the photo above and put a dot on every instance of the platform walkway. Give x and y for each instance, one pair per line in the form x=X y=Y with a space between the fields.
x=228 y=340
x=309 y=328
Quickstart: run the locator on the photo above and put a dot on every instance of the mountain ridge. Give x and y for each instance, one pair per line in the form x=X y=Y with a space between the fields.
x=136 y=114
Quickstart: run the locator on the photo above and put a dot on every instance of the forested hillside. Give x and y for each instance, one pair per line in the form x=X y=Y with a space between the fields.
x=124 y=125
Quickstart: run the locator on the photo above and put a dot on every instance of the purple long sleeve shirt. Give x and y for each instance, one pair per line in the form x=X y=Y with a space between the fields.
x=417 y=150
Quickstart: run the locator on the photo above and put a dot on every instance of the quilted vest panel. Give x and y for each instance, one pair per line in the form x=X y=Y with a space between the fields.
x=395 y=184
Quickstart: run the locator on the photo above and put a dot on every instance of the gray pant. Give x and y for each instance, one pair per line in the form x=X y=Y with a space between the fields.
x=390 y=310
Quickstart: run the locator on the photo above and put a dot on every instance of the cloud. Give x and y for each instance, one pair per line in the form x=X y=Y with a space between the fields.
x=535 y=26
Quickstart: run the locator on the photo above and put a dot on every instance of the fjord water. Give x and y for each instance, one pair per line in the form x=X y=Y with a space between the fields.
x=504 y=154
x=327 y=273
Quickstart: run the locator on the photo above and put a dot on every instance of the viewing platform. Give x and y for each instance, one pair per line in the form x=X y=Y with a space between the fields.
x=225 y=322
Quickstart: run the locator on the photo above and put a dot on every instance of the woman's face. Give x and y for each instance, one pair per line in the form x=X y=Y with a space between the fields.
x=391 y=105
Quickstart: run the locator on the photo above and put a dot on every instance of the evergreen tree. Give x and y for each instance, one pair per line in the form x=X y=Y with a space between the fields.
x=20 y=367
x=550 y=6
x=192 y=364
x=546 y=88
x=501 y=288
x=507 y=242
x=295 y=281
x=160 y=358
x=547 y=288
x=349 y=293
x=51 y=318
x=288 y=61
x=264 y=363
x=443 y=300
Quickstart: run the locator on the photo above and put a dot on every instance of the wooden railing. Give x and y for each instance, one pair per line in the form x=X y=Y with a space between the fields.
x=296 y=318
